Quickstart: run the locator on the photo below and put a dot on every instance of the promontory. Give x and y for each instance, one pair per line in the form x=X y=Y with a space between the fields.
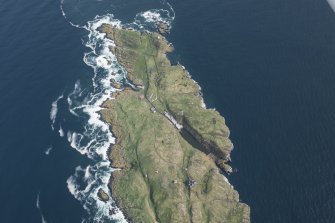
x=171 y=152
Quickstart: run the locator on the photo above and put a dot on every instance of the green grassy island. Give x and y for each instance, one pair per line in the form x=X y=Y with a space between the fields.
x=169 y=148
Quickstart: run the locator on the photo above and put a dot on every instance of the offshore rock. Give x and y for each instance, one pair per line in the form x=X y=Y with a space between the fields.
x=103 y=195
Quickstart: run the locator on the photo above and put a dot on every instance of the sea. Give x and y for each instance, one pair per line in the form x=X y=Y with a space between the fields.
x=267 y=66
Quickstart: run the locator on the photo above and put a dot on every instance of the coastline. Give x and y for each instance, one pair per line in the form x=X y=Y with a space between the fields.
x=213 y=148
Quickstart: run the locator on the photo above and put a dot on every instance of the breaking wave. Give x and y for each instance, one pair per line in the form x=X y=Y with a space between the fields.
x=94 y=138
x=149 y=20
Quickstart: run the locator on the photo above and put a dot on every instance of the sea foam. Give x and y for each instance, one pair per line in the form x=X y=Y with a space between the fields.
x=38 y=205
x=54 y=111
x=48 y=150
x=61 y=131
x=95 y=139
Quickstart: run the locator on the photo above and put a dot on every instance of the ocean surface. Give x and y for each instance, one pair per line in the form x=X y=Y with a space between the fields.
x=267 y=66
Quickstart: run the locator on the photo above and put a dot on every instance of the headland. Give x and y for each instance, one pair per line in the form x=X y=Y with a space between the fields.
x=171 y=151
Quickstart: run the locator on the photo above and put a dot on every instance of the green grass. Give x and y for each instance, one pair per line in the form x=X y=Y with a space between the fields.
x=159 y=160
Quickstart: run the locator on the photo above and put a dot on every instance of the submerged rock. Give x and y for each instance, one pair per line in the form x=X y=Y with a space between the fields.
x=163 y=27
x=116 y=84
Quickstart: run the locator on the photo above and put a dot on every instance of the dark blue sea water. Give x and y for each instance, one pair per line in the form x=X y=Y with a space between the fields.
x=267 y=66
x=40 y=54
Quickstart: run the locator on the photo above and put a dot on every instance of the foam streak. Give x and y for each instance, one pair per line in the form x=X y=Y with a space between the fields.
x=38 y=205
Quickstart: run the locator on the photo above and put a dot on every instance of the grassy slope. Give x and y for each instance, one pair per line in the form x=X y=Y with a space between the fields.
x=157 y=160
x=144 y=56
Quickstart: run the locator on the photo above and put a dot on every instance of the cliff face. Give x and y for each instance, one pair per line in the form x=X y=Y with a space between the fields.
x=164 y=177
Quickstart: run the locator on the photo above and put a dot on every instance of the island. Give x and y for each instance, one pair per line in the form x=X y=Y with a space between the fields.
x=171 y=152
